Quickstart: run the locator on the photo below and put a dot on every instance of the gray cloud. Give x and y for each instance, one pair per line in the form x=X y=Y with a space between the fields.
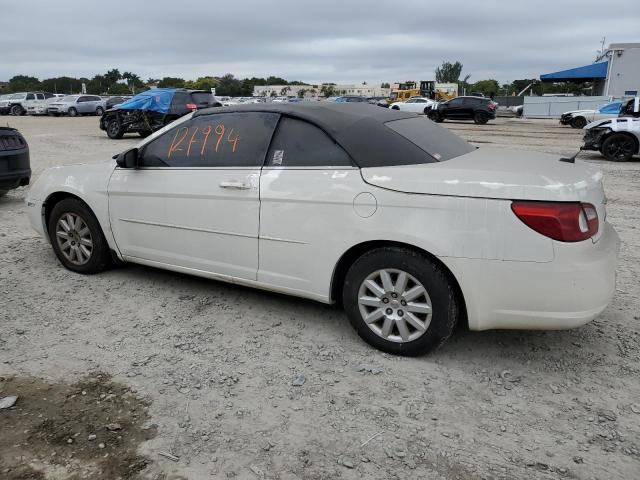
x=342 y=41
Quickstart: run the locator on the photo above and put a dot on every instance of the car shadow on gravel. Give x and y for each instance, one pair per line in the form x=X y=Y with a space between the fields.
x=90 y=429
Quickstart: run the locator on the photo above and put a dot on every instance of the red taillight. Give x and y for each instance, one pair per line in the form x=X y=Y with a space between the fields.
x=562 y=221
x=492 y=106
x=192 y=106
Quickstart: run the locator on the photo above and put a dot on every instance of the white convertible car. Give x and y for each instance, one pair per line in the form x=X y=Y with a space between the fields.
x=406 y=225
x=415 y=105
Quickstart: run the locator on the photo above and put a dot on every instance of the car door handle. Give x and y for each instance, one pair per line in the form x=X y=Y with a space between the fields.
x=235 y=185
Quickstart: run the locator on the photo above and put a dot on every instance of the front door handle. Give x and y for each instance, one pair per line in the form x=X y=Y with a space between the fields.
x=235 y=185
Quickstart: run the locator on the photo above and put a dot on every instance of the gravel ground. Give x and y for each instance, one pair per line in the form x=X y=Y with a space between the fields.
x=220 y=366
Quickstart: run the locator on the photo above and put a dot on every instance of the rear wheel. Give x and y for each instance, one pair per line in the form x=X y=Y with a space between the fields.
x=114 y=129
x=578 y=122
x=99 y=111
x=480 y=118
x=400 y=301
x=73 y=112
x=395 y=107
x=618 y=148
x=77 y=238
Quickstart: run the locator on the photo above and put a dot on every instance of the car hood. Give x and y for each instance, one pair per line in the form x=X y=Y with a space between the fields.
x=496 y=173
x=579 y=112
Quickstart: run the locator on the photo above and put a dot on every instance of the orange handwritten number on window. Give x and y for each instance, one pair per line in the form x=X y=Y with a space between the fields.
x=206 y=132
x=175 y=144
x=233 y=140
x=192 y=141
x=220 y=133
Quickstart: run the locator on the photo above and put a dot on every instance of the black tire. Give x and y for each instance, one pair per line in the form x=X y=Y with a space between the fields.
x=435 y=116
x=395 y=107
x=145 y=133
x=114 y=129
x=72 y=112
x=480 y=118
x=17 y=110
x=578 y=122
x=618 y=147
x=100 y=257
x=441 y=292
x=99 y=111
x=427 y=110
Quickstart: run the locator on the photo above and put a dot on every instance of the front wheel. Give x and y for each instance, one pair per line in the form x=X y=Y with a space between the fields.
x=618 y=148
x=77 y=238
x=395 y=107
x=400 y=301
x=578 y=122
x=17 y=110
x=114 y=129
x=73 y=112
x=434 y=116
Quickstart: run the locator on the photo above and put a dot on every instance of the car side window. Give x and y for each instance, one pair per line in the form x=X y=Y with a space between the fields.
x=30 y=96
x=239 y=139
x=297 y=143
x=456 y=102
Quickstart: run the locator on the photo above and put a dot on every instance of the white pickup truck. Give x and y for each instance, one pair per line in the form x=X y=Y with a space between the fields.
x=18 y=103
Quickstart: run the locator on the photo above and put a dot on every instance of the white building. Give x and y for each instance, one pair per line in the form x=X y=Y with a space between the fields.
x=363 y=90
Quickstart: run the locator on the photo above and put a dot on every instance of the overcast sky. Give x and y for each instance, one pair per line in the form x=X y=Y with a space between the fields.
x=341 y=41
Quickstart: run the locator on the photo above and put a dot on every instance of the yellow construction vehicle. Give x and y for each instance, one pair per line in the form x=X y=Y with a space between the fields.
x=404 y=91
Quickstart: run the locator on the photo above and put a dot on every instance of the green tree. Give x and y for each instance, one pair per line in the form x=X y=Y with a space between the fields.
x=171 y=82
x=385 y=85
x=112 y=76
x=229 y=85
x=486 y=87
x=271 y=80
x=327 y=90
x=134 y=82
x=302 y=92
x=285 y=91
x=448 y=72
x=21 y=83
x=62 y=85
x=273 y=94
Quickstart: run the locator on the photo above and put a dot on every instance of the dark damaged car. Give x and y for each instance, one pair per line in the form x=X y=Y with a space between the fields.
x=15 y=169
x=151 y=110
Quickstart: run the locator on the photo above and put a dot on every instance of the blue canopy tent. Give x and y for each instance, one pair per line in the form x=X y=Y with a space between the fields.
x=578 y=74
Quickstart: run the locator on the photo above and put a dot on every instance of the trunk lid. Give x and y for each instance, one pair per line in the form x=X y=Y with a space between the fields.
x=498 y=173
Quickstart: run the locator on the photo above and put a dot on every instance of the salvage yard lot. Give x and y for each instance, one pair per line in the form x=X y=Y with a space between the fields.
x=214 y=365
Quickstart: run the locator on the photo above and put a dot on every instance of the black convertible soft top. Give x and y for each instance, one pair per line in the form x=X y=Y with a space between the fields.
x=359 y=128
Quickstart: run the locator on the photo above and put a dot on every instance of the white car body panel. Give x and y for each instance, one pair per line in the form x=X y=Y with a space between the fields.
x=288 y=230
x=412 y=105
x=188 y=218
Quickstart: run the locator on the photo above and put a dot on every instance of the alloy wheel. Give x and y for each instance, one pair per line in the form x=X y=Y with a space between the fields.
x=395 y=305
x=619 y=148
x=74 y=238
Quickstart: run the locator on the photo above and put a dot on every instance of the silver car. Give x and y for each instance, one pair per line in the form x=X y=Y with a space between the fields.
x=74 y=105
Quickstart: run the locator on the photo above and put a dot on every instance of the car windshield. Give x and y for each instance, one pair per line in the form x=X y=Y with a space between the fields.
x=438 y=142
x=202 y=97
x=16 y=95
x=610 y=108
x=69 y=99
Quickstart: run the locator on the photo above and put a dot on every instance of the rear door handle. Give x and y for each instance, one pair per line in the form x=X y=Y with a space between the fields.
x=235 y=185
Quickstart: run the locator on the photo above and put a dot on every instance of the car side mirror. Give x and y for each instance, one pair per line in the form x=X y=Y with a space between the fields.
x=128 y=159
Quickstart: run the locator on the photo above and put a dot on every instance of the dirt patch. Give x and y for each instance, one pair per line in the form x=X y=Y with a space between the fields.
x=90 y=429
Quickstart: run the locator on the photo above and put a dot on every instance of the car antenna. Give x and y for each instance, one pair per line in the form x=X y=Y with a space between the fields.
x=571 y=159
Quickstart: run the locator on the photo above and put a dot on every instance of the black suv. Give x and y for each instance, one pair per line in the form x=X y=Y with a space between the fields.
x=15 y=169
x=478 y=109
x=174 y=103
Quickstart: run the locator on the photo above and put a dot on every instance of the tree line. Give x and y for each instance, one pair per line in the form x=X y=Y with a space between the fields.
x=113 y=82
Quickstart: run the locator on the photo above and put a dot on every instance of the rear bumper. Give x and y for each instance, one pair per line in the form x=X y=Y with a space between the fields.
x=567 y=292
x=15 y=170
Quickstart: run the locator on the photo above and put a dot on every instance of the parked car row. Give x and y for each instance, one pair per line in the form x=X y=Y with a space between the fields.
x=46 y=103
